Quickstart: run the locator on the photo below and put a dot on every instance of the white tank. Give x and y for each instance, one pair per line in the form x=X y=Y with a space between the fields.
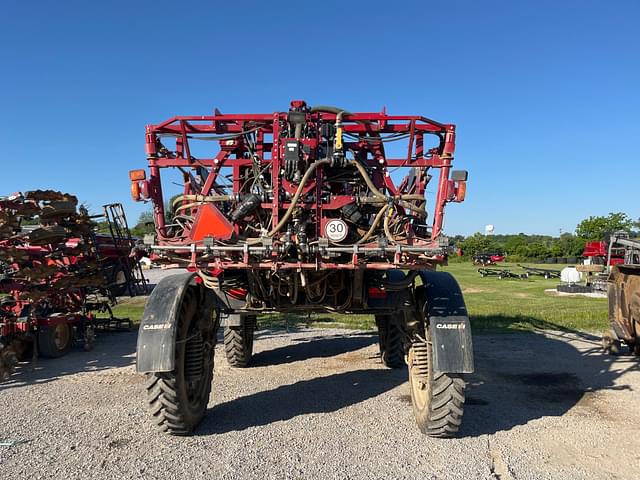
x=570 y=275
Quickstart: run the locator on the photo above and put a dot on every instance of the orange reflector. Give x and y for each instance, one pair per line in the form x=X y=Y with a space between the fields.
x=210 y=222
x=135 y=175
x=461 y=191
x=135 y=191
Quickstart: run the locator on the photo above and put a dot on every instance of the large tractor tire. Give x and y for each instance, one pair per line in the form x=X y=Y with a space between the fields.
x=238 y=342
x=178 y=399
x=437 y=399
x=55 y=341
x=390 y=339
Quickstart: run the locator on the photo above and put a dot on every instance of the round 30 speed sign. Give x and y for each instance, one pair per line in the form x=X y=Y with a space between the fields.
x=336 y=230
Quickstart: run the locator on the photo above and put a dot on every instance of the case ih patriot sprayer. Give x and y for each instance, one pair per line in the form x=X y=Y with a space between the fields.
x=300 y=211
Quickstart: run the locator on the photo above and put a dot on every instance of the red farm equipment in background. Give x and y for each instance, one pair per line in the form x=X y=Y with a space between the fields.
x=299 y=211
x=54 y=273
x=597 y=253
x=485 y=259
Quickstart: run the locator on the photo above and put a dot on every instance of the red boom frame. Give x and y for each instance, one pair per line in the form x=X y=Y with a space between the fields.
x=366 y=131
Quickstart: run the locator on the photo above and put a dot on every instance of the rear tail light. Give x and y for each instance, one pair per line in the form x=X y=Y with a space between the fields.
x=375 y=292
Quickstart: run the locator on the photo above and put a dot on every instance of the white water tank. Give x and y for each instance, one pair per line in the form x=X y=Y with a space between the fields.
x=570 y=275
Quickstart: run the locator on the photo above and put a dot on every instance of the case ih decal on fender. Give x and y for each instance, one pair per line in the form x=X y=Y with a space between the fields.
x=451 y=326
x=159 y=326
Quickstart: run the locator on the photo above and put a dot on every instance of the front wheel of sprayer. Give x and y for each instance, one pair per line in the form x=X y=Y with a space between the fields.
x=178 y=399
x=440 y=354
x=437 y=398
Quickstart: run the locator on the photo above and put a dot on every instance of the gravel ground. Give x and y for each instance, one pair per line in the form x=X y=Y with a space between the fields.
x=319 y=404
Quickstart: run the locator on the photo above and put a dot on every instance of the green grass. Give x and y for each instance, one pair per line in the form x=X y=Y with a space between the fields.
x=131 y=308
x=512 y=304
x=494 y=306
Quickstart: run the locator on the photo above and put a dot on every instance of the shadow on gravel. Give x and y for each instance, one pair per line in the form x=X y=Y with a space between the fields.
x=319 y=395
x=112 y=350
x=520 y=377
x=527 y=376
x=314 y=347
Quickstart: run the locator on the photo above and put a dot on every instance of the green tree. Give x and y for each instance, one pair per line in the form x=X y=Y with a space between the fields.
x=538 y=250
x=595 y=228
x=102 y=227
x=145 y=225
x=516 y=244
x=478 y=243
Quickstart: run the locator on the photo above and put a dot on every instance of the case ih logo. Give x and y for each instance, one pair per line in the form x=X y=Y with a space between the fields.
x=451 y=326
x=159 y=326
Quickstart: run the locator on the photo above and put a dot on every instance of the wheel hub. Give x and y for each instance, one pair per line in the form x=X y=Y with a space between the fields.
x=61 y=335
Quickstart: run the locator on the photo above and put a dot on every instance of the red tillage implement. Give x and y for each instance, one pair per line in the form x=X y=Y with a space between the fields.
x=54 y=272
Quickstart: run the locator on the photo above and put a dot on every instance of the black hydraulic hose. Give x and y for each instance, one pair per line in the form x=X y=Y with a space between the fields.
x=382 y=198
x=374 y=224
x=328 y=109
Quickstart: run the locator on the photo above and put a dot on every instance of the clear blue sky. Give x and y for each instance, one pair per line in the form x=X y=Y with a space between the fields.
x=546 y=94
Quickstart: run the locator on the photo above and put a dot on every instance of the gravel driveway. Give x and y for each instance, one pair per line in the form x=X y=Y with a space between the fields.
x=319 y=404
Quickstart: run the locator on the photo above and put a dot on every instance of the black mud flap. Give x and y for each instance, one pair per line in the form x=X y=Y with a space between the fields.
x=231 y=320
x=157 y=335
x=449 y=325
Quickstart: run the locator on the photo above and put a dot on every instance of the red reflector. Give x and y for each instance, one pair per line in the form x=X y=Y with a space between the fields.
x=377 y=293
x=237 y=293
x=198 y=279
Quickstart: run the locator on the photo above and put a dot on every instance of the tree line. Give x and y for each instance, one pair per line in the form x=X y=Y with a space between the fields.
x=521 y=247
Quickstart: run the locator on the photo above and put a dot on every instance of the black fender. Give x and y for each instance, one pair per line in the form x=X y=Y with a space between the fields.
x=155 y=351
x=447 y=319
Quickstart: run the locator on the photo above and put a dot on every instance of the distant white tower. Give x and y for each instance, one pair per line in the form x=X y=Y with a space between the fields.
x=488 y=229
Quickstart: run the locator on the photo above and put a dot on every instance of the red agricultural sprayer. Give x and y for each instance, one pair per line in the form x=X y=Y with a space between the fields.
x=302 y=210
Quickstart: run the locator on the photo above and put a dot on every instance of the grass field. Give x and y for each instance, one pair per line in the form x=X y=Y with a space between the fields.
x=494 y=306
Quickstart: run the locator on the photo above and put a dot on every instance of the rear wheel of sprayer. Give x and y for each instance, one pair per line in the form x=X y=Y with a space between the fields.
x=390 y=340
x=238 y=342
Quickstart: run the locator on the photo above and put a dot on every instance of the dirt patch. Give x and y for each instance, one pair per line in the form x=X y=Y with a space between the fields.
x=594 y=403
x=133 y=301
x=473 y=290
x=554 y=293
